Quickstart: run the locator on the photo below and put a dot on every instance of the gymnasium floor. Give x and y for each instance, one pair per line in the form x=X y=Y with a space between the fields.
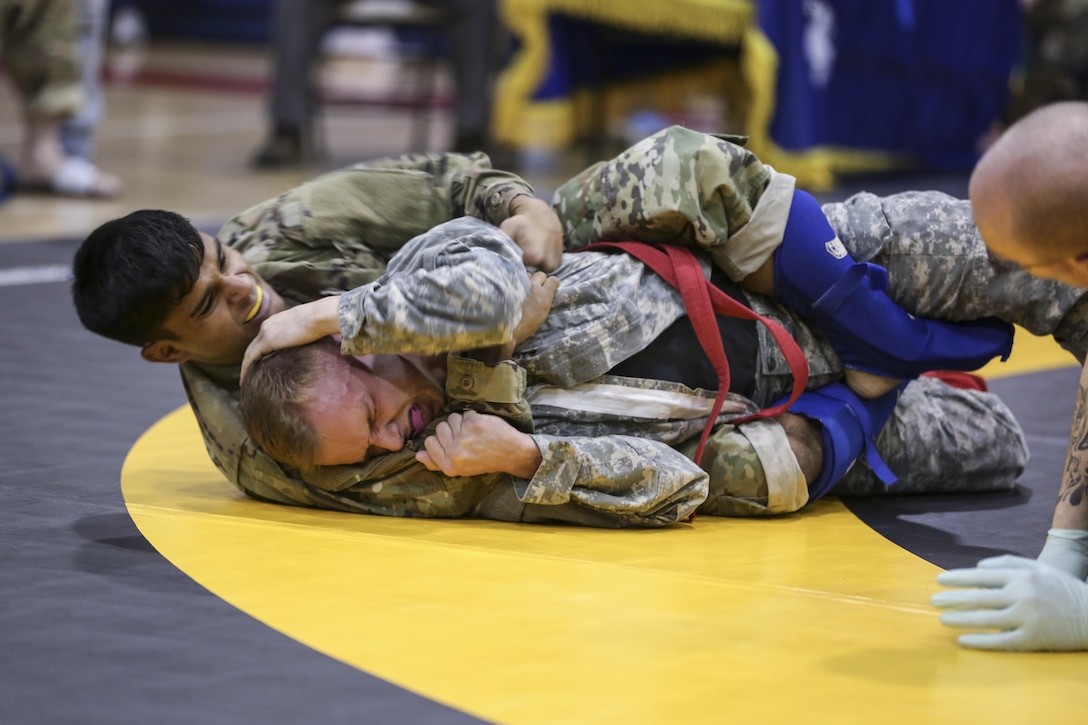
x=139 y=587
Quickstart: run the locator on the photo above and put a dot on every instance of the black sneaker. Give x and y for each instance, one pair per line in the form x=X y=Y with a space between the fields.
x=283 y=148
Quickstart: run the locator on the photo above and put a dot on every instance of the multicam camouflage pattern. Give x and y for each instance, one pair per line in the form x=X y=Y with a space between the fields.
x=607 y=308
x=1056 y=61
x=338 y=231
x=735 y=208
x=681 y=187
x=614 y=468
x=328 y=236
x=40 y=49
x=739 y=484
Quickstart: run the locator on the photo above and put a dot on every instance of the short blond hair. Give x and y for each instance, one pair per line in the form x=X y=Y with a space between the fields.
x=274 y=396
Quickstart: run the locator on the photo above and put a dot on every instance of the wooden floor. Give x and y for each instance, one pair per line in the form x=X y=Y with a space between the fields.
x=155 y=594
x=182 y=123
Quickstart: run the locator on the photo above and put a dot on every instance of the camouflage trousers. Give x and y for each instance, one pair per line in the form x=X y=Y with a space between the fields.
x=40 y=51
x=940 y=439
x=709 y=192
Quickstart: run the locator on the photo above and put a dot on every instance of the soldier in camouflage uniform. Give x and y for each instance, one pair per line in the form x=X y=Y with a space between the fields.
x=1055 y=66
x=651 y=192
x=604 y=459
x=39 y=44
x=703 y=191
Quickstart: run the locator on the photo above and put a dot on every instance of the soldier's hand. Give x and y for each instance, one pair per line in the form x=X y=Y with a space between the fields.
x=536 y=307
x=534 y=311
x=534 y=226
x=469 y=444
x=293 y=327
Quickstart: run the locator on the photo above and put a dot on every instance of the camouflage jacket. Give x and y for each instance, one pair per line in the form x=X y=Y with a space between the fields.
x=338 y=231
x=709 y=192
x=652 y=192
x=460 y=286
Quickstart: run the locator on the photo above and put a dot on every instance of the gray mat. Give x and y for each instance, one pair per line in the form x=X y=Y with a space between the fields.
x=98 y=628
x=95 y=626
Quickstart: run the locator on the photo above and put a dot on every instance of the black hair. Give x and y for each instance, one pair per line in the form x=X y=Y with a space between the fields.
x=130 y=272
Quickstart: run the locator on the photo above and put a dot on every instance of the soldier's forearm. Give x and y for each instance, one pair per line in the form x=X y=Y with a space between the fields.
x=1072 y=509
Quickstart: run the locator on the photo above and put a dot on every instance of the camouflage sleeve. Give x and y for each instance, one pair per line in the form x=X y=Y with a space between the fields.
x=489 y=389
x=682 y=186
x=633 y=481
x=753 y=471
x=460 y=286
x=612 y=481
x=396 y=484
x=338 y=231
x=473 y=187
x=938 y=266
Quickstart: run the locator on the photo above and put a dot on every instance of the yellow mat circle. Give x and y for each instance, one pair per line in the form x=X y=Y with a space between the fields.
x=739 y=620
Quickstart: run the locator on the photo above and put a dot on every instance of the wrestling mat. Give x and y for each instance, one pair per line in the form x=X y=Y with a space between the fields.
x=809 y=617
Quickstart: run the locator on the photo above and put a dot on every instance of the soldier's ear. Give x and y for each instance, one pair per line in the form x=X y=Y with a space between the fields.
x=163 y=352
x=1081 y=274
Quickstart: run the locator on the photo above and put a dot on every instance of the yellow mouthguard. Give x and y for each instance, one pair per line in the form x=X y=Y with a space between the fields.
x=257 y=304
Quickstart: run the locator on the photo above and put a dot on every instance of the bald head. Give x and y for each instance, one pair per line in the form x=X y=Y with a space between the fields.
x=1029 y=192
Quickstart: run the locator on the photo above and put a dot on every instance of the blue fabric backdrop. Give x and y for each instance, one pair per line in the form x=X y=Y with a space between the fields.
x=922 y=77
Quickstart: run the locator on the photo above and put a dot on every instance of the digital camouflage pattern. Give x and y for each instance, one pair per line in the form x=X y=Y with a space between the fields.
x=1056 y=58
x=938 y=266
x=38 y=42
x=600 y=468
x=439 y=294
x=608 y=306
x=985 y=452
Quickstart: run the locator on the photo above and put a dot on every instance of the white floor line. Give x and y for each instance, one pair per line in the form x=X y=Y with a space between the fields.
x=39 y=274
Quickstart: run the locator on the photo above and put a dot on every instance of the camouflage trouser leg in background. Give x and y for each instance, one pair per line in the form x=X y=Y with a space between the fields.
x=1056 y=57
x=40 y=49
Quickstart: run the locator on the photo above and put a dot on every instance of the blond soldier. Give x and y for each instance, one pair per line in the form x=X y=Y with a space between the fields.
x=612 y=436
